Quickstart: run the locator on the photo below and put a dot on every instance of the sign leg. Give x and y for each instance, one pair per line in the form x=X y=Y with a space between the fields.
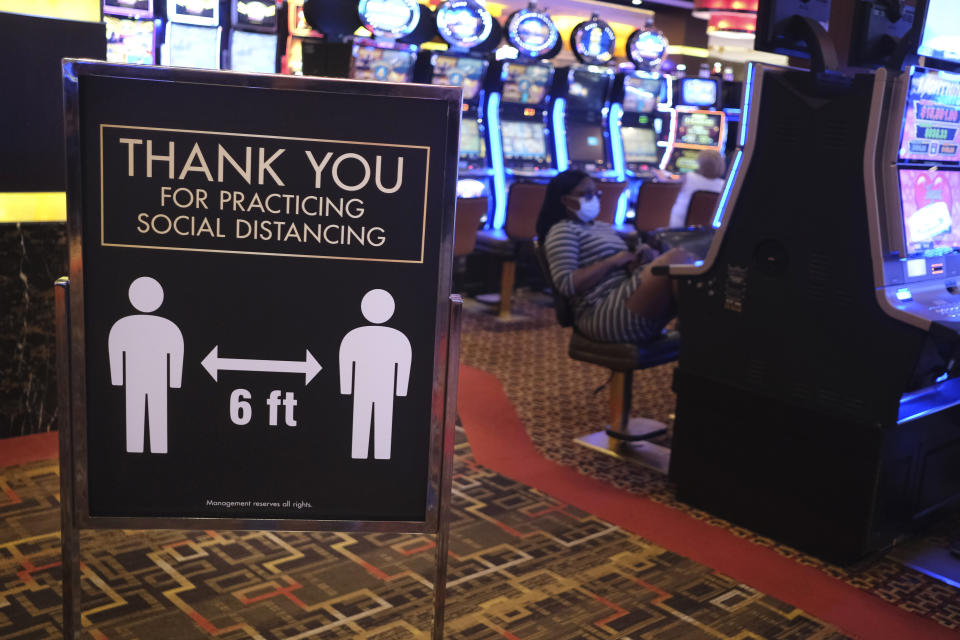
x=69 y=536
x=446 y=477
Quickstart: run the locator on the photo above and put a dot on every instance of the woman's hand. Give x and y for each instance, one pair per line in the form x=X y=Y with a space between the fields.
x=679 y=255
x=645 y=254
x=621 y=258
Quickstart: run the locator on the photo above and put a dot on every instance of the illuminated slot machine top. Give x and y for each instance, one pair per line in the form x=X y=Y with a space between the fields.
x=470 y=33
x=640 y=144
x=920 y=193
x=520 y=110
x=383 y=58
x=192 y=37
x=253 y=36
x=697 y=125
x=131 y=33
x=465 y=25
x=637 y=117
x=582 y=137
x=523 y=117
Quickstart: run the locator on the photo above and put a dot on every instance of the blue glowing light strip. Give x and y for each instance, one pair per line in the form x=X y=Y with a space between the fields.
x=619 y=161
x=747 y=99
x=560 y=133
x=728 y=187
x=939 y=397
x=496 y=159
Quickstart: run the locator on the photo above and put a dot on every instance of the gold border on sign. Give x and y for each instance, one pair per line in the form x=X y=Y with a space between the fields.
x=426 y=185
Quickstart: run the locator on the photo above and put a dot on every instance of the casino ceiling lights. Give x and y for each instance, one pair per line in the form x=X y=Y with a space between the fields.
x=736 y=18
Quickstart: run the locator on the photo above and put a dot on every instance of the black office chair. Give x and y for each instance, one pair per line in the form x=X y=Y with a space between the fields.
x=623 y=437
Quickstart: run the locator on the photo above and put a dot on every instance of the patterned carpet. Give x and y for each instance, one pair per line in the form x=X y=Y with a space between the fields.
x=523 y=567
x=552 y=395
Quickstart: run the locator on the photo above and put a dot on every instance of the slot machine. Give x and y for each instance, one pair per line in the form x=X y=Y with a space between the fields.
x=818 y=387
x=131 y=31
x=298 y=32
x=253 y=40
x=193 y=33
x=697 y=125
x=382 y=57
x=639 y=119
x=520 y=107
x=465 y=25
x=581 y=135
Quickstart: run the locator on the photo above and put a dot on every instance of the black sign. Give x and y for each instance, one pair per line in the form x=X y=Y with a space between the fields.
x=263 y=273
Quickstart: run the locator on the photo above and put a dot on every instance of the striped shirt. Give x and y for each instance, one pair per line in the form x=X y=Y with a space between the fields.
x=601 y=313
x=571 y=245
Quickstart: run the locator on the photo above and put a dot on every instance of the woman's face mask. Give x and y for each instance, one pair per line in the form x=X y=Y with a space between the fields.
x=589 y=206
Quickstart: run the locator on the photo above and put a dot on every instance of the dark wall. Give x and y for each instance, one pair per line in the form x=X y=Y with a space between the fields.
x=32 y=256
x=31 y=110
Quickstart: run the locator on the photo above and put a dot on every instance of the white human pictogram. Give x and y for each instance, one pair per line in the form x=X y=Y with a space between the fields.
x=146 y=355
x=374 y=367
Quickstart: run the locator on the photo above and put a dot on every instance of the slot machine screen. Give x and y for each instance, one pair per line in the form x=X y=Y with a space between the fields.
x=526 y=83
x=523 y=140
x=129 y=41
x=253 y=52
x=191 y=46
x=941 y=37
x=471 y=142
x=257 y=14
x=462 y=72
x=133 y=8
x=640 y=145
x=684 y=161
x=585 y=143
x=388 y=65
x=640 y=95
x=203 y=12
x=699 y=128
x=930 y=201
x=932 y=117
x=698 y=92
x=587 y=91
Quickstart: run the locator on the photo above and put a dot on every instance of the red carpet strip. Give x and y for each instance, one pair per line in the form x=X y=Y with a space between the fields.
x=40 y=446
x=500 y=442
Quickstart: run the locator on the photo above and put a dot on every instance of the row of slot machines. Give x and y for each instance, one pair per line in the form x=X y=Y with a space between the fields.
x=819 y=375
x=200 y=34
x=539 y=120
x=525 y=118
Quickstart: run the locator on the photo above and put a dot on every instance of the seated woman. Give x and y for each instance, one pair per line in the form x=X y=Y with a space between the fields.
x=708 y=177
x=615 y=296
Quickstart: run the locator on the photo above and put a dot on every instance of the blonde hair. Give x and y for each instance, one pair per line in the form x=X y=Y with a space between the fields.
x=710 y=164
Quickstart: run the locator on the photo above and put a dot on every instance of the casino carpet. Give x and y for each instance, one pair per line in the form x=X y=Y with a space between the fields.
x=523 y=566
x=553 y=402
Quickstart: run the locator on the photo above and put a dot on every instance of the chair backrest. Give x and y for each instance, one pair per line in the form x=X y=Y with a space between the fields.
x=609 y=197
x=561 y=305
x=523 y=208
x=469 y=213
x=703 y=206
x=654 y=203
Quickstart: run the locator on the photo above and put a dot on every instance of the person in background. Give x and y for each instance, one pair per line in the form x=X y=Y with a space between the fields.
x=615 y=296
x=708 y=177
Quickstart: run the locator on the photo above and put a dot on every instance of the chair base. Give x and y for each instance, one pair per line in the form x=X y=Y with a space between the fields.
x=641 y=453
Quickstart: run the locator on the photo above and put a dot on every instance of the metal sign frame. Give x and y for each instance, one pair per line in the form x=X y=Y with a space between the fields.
x=71 y=348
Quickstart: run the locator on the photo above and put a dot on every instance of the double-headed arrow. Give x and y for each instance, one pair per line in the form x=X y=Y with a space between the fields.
x=213 y=363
